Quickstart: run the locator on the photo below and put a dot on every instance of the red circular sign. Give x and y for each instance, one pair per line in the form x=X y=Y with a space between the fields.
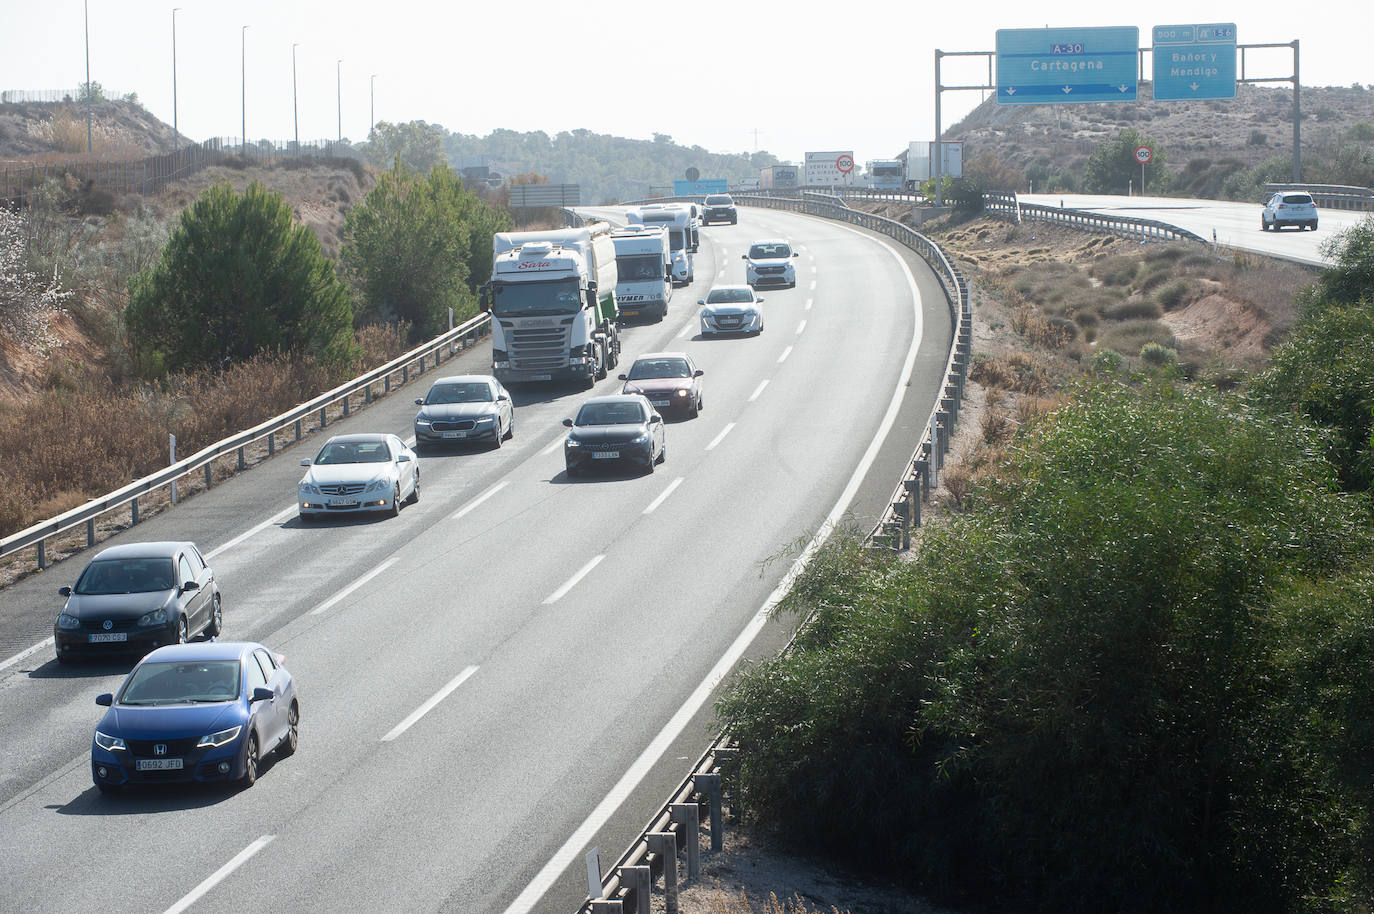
x=1143 y=154
x=845 y=164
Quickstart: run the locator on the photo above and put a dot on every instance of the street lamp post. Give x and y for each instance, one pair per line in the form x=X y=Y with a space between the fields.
x=295 y=112
x=174 y=86
x=372 y=110
x=86 y=14
x=338 y=82
x=243 y=52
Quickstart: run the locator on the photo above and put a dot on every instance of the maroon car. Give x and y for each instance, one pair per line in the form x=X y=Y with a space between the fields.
x=671 y=381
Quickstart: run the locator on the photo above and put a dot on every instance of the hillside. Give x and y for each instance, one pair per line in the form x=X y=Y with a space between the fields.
x=45 y=131
x=1253 y=127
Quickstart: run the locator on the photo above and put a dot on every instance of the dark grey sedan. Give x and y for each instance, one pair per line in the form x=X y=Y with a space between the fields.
x=612 y=431
x=134 y=598
x=462 y=408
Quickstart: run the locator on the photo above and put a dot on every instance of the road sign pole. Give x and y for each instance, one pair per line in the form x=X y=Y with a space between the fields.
x=938 y=169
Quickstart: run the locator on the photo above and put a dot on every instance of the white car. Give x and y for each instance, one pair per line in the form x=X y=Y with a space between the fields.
x=359 y=473
x=769 y=262
x=1289 y=208
x=731 y=309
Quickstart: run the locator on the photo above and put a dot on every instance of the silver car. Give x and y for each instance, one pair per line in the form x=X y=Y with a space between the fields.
x=359 y=473
x=1289 y=208
x=471 y=407
x=731 y=309
x=769 y=262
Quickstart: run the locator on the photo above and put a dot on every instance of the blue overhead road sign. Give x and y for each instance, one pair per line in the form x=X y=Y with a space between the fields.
x=1066 y=66
x=1195 y=61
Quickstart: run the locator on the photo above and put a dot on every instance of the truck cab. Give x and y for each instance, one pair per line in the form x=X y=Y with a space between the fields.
x=678 y=223
x=644 y=264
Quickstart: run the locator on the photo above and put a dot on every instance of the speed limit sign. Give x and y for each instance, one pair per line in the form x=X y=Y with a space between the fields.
x=1143 y=154
x=844 y=164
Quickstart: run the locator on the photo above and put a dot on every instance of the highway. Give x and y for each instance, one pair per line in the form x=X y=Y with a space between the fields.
x=1233 y=225
x=519 y=667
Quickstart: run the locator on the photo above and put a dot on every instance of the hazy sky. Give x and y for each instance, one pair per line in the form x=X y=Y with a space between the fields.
x=729 y=76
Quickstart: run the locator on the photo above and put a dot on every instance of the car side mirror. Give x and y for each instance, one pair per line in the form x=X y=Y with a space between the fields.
x=104 y=699
x=701 y=301
x=305 y=461
x=500 y=397
x=655 y=418
x=744 y=257
x=621 y=377
x=796 y=253
x=261 y=694
x=568 y=423
x=419 y=401
x=403 y=458
x=698 y=373
x=759 y=300
x=190 y=586
x=65 y=591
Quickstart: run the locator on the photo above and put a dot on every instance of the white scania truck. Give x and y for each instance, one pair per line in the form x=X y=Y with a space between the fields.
x=644 y=265
x=552 y=303
x=678 y=222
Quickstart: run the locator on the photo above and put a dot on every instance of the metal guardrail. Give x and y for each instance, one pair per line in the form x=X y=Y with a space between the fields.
x=455 y=340
x=1331 y=196
x=1011 y=207
x=676 y=826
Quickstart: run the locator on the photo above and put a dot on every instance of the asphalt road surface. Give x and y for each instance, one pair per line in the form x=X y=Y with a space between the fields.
x=520 y=666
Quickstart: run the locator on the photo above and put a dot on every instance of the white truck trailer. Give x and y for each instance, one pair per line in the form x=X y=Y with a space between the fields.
x=678 y=222
x=644 y=264
x=552 y=303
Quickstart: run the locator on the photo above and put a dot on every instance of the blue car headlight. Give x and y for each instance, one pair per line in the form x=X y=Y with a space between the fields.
x=156 y=617
x=67 y=622
x=213 y=740
x=107 y=742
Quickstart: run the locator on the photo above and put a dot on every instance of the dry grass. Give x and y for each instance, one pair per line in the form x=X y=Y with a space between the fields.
x=793 y=905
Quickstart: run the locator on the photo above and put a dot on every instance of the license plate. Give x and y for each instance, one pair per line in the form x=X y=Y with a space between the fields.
x=631 y=312
x=659 y=402
x=159 y=764
x=605 y=455
x=455 y=434
x=541 y=377
x=344 y=502
x=105 y=637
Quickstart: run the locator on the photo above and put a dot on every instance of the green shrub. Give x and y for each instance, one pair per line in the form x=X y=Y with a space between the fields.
x=1131 y=335
x=1157 y=355
x=1133 y=309
x=1107 y=362
x=1171 y=295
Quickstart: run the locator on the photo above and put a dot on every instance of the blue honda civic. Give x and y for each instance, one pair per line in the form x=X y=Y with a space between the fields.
x=208 y=711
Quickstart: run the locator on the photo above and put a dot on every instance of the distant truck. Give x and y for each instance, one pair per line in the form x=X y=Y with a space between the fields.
x=644 y=265
x=678 y=222
x=778 y=177
x=886 y=174
x=540 y=279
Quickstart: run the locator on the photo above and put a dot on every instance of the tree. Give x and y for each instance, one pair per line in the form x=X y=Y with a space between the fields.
x=237 y=278
x=419 y=245
x=1113 y=167
x=417 y=145
x=1350 y=278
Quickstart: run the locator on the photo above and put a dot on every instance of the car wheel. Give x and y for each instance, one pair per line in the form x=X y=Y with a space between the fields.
x=497 y=437
x=651 y=462
x=250 y=761
x=106 y=789
x=735 y=221
x=662 y=454
x=183 y=631
x=573 y=472
x=395 y=508
x=694 y=409
x=601 y=355
x=415 y=491
x=216 y=619
x=304 y=518
x=287 y=747
x=510 y=429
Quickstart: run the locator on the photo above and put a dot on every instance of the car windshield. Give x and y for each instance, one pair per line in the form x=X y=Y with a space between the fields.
x=176 y=682
x=1297 y=198
x=460 y=392
x=610 y=414
x=659 y=368
x=354 y=452
x=677 y=239
x=718 y=200
x=518 y=299
x=639 y=267
x=721 y=296
x=769 y=251
x=126 y=576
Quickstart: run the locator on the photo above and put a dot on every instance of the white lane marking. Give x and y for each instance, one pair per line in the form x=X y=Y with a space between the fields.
x=813 y=285
x=572 y=581
x=478 y=500
x=572 y=849
x=46 y=642
x=557 y=443
x=723 y=432
x=274 y=519
x=220 y=874
x=429 y=705
x=758 y=390
x=663 y=496
x=785 y=353
x=691 y=324
x=809 y=303
x=354 y=586
x=801 y=327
